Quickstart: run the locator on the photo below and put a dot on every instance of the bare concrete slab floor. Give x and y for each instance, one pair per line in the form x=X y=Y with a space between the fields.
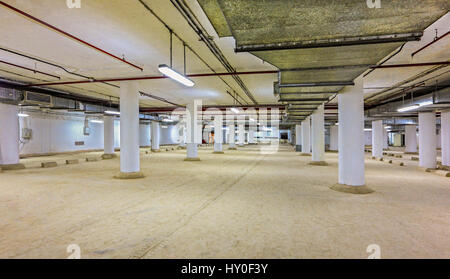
x=242 y=204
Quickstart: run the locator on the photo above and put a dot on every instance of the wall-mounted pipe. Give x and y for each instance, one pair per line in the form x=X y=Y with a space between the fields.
x=29 y=69
x=429 y=44
x=67 y=34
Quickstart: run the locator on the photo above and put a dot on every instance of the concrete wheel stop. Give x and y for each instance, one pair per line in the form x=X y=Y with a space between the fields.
x=218 y=152
x=13 y=167
x=358 y=190
x=305 y=154
x=108 y=156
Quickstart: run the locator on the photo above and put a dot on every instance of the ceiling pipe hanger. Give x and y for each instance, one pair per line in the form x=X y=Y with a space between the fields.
x=29 y=69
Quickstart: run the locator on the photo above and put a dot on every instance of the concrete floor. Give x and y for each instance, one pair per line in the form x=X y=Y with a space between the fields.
x=239 y=205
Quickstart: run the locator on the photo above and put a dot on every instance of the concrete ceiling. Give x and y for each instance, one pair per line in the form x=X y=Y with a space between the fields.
x=126 y=28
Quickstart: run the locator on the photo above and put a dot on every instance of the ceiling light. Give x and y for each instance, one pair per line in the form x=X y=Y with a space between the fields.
x=96 y=121
x=23 y=115
x=169 y=72
x=427 y=103
x=235 y=110
x=408 y=108
x=112 y=112
x=368 y=130
x=167 y=120
x=388 y=127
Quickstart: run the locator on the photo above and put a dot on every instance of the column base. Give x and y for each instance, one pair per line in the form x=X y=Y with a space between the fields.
x=218 y=152
x=156 y=150
x=192 y=159
x=305 y=154
x=358 y=190
x=108 y=156
x=129 y=175
x=320 y=163
x=13 y=167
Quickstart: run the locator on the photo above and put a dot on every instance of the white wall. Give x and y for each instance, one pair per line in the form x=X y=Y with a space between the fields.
x=58 y=133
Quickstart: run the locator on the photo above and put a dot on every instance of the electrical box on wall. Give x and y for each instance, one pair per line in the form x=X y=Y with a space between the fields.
x=87 y=131
x=27 y=133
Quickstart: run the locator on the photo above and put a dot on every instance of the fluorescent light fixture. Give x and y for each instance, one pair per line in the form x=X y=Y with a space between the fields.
x=96 y=121
x=169 y=72
x=368 y=130
x=388 y=127
x=164 y=127
x=416 y=106
x=252 y=120
x=167 y=120
x=235 y=110
x=23 y=115
x=112 y=112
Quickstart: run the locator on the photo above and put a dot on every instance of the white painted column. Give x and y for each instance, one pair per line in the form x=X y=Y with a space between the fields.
x=108 y=135
x=155 y=135
x=251 y=136
x=241 y=135
x=182 y=132
x=410 y=139
x=144 y=134
x=9 y=137
x=427 y=140
x=231 y=136
x=439 y=139
x=129 y=130
x=445 y=138
x=385 y=139
x=378 y=138
x=218 y=134
x=193 y=130
x=306 y=136
x=318 y=135
x=351 y=135
x=298 y=138
x=334 y=138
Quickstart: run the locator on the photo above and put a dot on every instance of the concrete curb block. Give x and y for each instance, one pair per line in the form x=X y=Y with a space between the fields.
x=13 y=167
x=49 y=165
x=218 y=152
x=192 y=159
x=72 y=162
x=91 y=159
x=108 y=156
x=321 y=163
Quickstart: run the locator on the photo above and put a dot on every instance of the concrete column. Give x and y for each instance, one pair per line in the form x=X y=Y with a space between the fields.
x=231 y=137
x=318 y=137
x=427 y=140
x=351 y=140
x=439 y=139
x=410 y=139
x=306 y=137
x=445 y=138
x=241 y=135
x=334 y=138
x=377 y=138
x=9 y=137
x=156 y=135
x=108 y=137
x=144 y=135
x=251 y=136
x=218 y=134
x=194 y=130
x=385 y=139
x=298 y=138
x=129 y=131
x=182 y=133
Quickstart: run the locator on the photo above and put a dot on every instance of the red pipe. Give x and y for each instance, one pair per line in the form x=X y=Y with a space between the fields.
x=29 y=69
x=151 y=77
x=67 y=34
x=429 y=44
x=411 y=65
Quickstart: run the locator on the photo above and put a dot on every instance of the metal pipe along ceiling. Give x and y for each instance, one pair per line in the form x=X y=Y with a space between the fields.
x=34 y=19
x=151 y=77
